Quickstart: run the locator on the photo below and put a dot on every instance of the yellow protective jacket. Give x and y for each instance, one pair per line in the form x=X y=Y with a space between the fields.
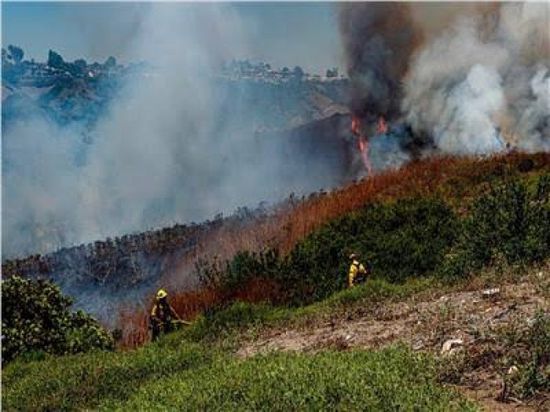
x=163 y=312
x=355 y=269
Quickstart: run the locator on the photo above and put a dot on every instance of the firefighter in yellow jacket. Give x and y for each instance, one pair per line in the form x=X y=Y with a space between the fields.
x=357 y=272
x=162 y=315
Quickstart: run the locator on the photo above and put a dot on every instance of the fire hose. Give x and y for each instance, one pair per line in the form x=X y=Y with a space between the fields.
x=176 y=322
x=181 y=322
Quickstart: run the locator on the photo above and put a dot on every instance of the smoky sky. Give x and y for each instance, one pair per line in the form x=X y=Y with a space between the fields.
x=173 y=147
x=283 y=34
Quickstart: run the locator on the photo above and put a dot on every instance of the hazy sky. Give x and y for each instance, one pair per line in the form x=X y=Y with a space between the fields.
x=304 y=34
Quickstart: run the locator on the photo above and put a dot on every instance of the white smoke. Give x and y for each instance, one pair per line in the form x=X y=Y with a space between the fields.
x=466 y=123
x=173 y=147
x=39 y=188
x=478 y=89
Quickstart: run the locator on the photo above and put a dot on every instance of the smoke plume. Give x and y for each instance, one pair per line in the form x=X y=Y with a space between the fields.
x=378 y=40
x=473 y=78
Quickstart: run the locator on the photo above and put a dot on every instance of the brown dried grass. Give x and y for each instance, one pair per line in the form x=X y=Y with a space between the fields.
x=456 y=179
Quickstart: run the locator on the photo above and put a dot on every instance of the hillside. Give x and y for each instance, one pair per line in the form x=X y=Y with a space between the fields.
x=377 y=346
x=74 y=116
x=454 y=316
x=364 y=226
x=81 y=93
x=136 y=264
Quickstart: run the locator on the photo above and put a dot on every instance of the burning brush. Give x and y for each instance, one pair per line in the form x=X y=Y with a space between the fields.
x=363 y=138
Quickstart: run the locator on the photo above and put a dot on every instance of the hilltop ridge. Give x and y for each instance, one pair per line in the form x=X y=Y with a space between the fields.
x=80 y=92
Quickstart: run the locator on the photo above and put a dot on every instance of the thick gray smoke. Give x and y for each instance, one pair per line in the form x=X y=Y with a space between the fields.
x=378 y=39
x=173 y=147
x=474 y=79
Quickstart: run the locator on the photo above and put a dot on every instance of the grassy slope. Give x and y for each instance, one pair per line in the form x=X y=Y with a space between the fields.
x=390 y=379
x=455 y=180
x=196 y=369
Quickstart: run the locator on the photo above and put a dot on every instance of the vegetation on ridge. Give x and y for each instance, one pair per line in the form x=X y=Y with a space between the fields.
x=417 y=244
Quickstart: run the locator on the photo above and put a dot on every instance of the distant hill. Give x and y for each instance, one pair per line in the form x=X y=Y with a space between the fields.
x=254 y=117
x=80 y=92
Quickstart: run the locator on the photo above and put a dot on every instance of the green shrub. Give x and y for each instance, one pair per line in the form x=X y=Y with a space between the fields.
x=242 y=267
x=36 y=317
x=407 y=238
x=535 y=367
x=245 y=266
x=509 y=222
x=223 y=320
x=400 y=240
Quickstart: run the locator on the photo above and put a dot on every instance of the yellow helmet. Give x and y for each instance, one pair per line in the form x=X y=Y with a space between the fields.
x=161 y=294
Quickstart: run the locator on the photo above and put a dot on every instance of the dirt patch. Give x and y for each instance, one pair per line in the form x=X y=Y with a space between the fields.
x=424 y=323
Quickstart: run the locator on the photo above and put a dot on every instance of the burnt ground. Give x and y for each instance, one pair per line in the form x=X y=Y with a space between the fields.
x=475 y=315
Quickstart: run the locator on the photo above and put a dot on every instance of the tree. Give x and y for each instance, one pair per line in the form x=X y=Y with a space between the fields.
x=80 y=63
x=110 y=62
x=55 y=60
x=298 y=72
x=16 y=53
x=79 y=66
x=5 y=59
x=332 y=73
x=36 y=317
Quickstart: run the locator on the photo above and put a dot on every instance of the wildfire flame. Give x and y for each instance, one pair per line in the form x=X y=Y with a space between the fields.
x=381 y=126
x=355 y=126
x=364 y=150
x=362 y=143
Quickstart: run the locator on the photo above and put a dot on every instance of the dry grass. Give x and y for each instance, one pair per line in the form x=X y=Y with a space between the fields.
x=456 y=179
x=189 y=305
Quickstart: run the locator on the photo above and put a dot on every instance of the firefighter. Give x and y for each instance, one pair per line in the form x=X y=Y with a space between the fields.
x=162 y=315
x=357 y=272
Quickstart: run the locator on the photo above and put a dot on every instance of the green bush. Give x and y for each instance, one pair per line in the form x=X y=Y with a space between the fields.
x=400 y=240
x=407 y=238
x=224 y=320
x=509 y=222
x=36 y=317
x=243 y=267
x=535 y=367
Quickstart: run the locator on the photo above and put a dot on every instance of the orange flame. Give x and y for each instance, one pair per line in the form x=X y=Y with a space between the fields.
x=355 y=126
x=363 y=143
x=381 y=126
